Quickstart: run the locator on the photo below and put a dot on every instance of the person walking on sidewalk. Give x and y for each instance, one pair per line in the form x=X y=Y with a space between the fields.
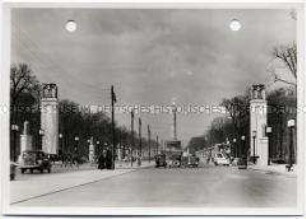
x=109 y=159
x=102 y=161
x=139 y=160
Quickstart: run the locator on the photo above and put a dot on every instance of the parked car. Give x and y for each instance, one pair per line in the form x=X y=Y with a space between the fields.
x=34 y=160
x=194 y=161
x=175 y=160
x=190 y=161
x=160 y=160
x=220 y=159
x=13 y=170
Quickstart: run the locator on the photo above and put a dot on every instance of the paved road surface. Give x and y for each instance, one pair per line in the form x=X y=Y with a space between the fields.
x=207 y=187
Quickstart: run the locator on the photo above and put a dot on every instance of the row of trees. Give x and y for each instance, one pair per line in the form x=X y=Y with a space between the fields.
x=78 y=121
x=282 y=106
x=74 y=120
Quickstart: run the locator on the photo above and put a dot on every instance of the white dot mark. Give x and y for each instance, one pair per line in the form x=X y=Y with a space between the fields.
x=235 y=25
x=189 y=73
x=71 y=26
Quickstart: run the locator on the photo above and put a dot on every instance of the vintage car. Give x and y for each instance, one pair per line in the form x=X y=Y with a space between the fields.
x=160 y=160
x=220 y=159
x=194 y=161
x=34 y=160
x=175 y=160
x=190 y=161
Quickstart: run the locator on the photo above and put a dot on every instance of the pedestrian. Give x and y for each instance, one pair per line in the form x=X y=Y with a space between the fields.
x=139 y=160
x=109 y=159
x=101 y=161
x=76 y=161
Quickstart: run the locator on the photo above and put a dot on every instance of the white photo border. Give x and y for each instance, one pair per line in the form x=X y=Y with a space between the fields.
x=7 y=209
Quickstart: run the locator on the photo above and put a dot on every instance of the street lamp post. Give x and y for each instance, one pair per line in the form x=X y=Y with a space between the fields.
x=268 y=132
x=235 y=146
x=15 y=129
x=89 y=141
x=105 y=146
x=113 y=98
x=149 y=141
x=96 y=149
x=157 y=144
x=76 y=147
x=242 y=147
x=254 y=143
x=291 y=124
x=41 y=134
x=61 y=142
x=132 y=133
x=139 y=133
x=244 y=159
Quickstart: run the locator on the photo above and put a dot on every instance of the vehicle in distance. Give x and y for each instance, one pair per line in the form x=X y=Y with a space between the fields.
x=190 y=161
x=160 y=160
x=220 y=159
x=34 y=160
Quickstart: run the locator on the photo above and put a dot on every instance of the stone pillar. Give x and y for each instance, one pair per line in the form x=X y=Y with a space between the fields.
x=258 y=124
x=25 y=139
x=49 y=119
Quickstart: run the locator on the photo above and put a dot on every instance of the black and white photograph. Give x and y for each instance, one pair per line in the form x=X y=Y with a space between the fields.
x=163 y=109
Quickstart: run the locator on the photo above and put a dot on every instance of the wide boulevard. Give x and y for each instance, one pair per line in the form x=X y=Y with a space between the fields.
x=208 y=186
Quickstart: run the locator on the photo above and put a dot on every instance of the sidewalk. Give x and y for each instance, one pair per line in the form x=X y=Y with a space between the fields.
x=36 y=185
x=274 y=169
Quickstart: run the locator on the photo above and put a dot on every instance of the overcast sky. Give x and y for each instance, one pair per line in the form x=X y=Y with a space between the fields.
x=151 y=56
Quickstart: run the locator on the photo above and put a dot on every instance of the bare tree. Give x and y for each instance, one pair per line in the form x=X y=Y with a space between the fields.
x=287 y=55
x=237 y=107
x=22 y=81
